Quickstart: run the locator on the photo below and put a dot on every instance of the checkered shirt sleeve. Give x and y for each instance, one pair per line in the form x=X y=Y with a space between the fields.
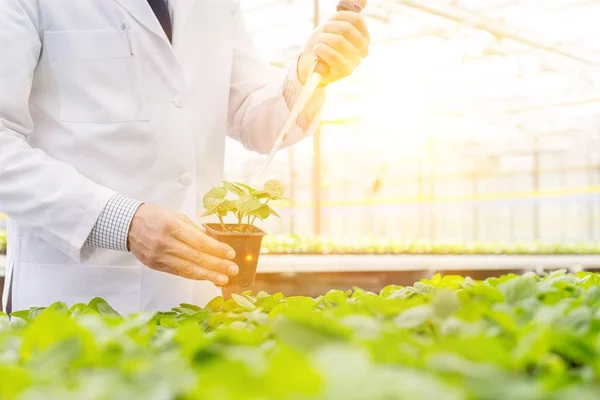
x=112 y=227
x=291 y=91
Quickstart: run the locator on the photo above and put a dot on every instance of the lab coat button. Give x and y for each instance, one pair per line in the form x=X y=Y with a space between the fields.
x=179 y=101
x=185 y=179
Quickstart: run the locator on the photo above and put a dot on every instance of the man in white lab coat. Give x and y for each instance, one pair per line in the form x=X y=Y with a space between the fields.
x=113 y=117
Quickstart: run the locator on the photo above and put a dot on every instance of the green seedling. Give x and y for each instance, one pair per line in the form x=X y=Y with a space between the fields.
x=249 y=205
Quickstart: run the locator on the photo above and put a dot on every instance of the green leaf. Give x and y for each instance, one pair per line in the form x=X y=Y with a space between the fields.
x=305 y=330
x=23 y=314
x=59 y=307
x=213 y=199
x=183 y=310
x=335 y=296
x=532 y=345
x=454 y=363
x=207 y=213
x=267 y=303
x=215 y=304
x=263 y=212
x=80 y=309
x=102 y=307
x=414 y=317
x=250 y=189
x=275 y=213
x=574 y=350
x=248 y=204
x=212 y=203
x=35 y=312
x=388 y=290
x=243 y=301
x=55 y=332
x=578 y=321
x=423 y=288
x=445 y=303
x=518 y=289
x=218 y=193
x=592 y=296
x=233 y=188
x=169 y=322
x=504 y=320
x=223 y=207
x=260 y=194
x=227 y=206
x=291 y=375
x=485 y=292
x=190 y=307
x=191 y=338
x=261 y=295
x=274 y=188
x=14 y=380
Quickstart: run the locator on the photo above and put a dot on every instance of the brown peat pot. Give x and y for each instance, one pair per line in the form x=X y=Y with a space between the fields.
x=247 y=247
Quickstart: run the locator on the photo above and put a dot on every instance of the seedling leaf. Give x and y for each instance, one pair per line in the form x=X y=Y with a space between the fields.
x=274 y=188
x=218 y=192
x=233 y=188
x=263 y=212
x=250 y=189
x=247 y=204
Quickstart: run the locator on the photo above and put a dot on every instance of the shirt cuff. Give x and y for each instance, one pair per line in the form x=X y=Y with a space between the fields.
x=291 y=91
x=111 y=230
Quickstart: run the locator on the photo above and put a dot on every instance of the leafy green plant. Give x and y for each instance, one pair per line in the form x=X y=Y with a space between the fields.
x=2 y=241
x=297 y=244
x=449 y=337
x=249 y=205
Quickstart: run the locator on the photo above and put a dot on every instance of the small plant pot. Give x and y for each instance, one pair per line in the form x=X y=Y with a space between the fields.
x=247 y=247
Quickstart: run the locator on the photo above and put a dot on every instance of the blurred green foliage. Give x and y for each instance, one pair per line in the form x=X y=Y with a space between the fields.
x=297 y=244
x=452 y=338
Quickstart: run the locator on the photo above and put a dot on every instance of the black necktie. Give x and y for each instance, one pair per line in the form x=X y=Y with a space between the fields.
x=161 y=10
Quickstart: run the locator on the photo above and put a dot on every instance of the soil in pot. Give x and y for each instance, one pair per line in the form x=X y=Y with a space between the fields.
x=246 y=240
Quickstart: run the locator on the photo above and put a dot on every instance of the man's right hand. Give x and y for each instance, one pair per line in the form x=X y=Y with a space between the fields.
x=170 y=242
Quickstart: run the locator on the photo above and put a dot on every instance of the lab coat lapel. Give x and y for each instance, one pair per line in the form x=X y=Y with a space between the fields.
x=206 y=15
x=141 y=11
x=181 y=15
x=183 y=10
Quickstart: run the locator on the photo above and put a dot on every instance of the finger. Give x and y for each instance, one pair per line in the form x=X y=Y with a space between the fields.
x=187 y=220
x=342 y=45
x=350 y=6
x=199 y=257
x=187 y=269
x=191 y=235
x=356 y=20
x=340 y=66
x=351 y=33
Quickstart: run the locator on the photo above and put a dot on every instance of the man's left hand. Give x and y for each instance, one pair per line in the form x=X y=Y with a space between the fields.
x=341 y=42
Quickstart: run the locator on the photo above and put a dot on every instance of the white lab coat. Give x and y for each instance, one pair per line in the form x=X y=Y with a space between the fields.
x=94 y=100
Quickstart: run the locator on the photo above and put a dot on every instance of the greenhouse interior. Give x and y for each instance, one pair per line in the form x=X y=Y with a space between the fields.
x=435 y=237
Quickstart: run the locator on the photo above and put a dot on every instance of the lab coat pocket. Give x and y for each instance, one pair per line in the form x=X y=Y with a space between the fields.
x=97 y=76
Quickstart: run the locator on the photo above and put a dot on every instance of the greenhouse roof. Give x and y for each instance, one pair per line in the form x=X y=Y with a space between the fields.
x=463 y=70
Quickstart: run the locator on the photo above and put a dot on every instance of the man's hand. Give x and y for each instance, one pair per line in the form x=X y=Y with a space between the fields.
x=342 y=42
x=170 y=242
